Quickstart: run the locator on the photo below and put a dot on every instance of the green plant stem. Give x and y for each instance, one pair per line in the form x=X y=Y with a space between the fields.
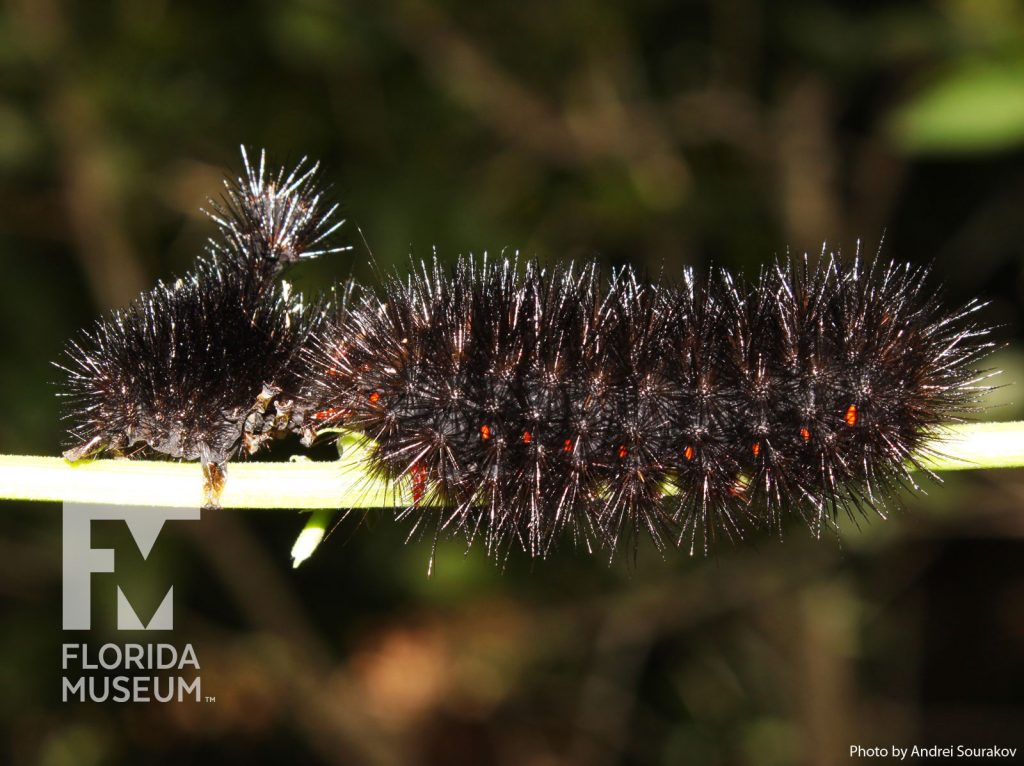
x=978 y=445
x=299 y=485
x=304 y=484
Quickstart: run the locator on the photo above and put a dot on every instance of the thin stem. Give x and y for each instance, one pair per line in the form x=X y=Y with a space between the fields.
x=304 y=484
x=300 y=484
x=978 y=445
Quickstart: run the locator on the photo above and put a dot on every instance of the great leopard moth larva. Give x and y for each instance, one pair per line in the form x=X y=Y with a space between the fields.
x=526 y=405
x=202 y=367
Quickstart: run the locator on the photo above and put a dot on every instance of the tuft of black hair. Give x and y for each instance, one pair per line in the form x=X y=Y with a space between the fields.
x=203 y=367
x=270 y=219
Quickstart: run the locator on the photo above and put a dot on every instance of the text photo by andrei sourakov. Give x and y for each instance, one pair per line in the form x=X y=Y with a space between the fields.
x=901 y=753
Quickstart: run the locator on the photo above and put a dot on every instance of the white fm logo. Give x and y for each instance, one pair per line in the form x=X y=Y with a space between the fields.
x=81 y=560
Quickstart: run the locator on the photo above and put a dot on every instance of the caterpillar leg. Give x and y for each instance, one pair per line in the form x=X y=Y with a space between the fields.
x=260 y=426
x=214 y=477
x=82 y=451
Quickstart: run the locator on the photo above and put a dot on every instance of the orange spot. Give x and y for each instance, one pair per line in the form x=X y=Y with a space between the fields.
x=851 y=415
x=485 y=432
x=567 y=447
x=623 y=451
x=419 y=482
x=806 y=434
x=374 y=397
x=328 y=414
x=756 y=448
x=688 y=453
x=527 y=437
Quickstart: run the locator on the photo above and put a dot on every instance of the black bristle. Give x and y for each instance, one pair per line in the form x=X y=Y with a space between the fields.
x=270 y=219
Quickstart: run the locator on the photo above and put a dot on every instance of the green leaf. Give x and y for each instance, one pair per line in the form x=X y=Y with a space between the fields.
x=975 y=108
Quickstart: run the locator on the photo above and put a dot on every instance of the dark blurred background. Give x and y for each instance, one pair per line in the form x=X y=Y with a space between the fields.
x=658 y=133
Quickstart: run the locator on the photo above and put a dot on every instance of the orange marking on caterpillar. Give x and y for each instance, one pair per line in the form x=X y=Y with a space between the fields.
x=485 y=432
x=329 y=414
x=419 y=483
x=374 y=397
x=623 y=451
x=527 y=437
x=688 y=453
x=756 y=448
x=567 y=446
x=851 y=415
x=805 y=434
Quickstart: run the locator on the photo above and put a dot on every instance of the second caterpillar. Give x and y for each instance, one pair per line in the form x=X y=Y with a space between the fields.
x=527 y=405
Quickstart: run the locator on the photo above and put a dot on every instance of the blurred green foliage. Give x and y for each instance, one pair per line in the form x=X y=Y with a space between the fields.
x=655 y=133
x=974 y=108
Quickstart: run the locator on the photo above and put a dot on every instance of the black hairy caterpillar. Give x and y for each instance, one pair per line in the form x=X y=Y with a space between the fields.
x=527 y=405
x=203 y=368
